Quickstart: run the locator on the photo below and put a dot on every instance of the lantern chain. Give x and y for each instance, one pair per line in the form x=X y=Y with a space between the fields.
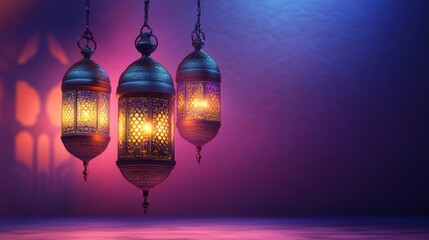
x=146 y=18
x=87 y=34
x=198 y=31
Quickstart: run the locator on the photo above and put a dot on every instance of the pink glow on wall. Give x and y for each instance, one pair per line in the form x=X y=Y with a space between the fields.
x=24 y=148
x=27 y=103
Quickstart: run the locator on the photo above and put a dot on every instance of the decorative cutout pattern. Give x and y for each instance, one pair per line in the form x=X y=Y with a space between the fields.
x=122 y=128
x=212 y=94
x=195 y=100
x=138 y=119
x=68 y=112
x=161 y=138
x=103 y=113
x=145 y=128
x=198 y=100
x=86 y=112
x=181 y=100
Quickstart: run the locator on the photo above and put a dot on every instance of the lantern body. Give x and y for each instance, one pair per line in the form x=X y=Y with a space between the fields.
x=145 y=121
x=85 y=110
x=198 y=98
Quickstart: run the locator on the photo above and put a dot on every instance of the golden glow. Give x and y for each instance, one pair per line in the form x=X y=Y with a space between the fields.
x=201 y=104
x=147 y=128
x=141 y=128
x=27 y=104
x=86 y=112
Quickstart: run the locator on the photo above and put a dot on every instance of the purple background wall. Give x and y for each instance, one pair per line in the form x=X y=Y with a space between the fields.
x=324 y=108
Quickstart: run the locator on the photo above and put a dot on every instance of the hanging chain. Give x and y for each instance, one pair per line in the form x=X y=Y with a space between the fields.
x=146 y=18
x=198 y=31
x=87 y=35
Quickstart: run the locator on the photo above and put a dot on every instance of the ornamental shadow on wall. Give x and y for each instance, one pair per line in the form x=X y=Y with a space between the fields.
x=30 y=115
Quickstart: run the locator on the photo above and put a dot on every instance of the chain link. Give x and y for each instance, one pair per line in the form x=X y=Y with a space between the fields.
x=87 y=34
x=198 y=31
x=88 y=6
x=146 y=18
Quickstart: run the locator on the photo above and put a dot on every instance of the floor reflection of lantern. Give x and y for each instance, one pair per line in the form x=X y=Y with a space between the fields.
x=86 y=105
x=198 y=94
x=146 y=121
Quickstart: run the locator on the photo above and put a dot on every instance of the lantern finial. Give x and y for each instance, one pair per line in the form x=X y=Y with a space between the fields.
x=145 y=202
x=85 y=170
x=198 y=155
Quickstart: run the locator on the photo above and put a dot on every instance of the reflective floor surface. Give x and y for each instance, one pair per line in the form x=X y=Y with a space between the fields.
x=217 y=228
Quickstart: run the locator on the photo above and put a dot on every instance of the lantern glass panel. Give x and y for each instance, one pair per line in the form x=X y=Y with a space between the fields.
x=80 y=115
x=198 y=100
x=68 y=112
x=145 y=128
x=86 y=112
x=103 y=113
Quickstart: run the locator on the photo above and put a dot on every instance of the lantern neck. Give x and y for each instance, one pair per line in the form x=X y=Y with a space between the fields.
x=87 y=52
x=145 y=45
x=198 y=44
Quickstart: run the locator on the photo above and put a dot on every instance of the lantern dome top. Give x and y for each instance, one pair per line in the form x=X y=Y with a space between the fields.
x=145 y=74
x=198 y=64
x=86 y=74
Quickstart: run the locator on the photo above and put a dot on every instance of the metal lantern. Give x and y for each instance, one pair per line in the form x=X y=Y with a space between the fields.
x=198 y=94
x=85 y=106
x=146 y=120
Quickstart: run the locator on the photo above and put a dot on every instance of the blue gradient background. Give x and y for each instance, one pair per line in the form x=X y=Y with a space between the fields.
x=324 y=108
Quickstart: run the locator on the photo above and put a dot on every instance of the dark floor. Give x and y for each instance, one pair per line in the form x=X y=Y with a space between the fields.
x=218 y=228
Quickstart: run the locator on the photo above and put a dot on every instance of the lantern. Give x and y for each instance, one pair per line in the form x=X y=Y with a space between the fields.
x=85 y=106
x=198 y=94
x=146 y=119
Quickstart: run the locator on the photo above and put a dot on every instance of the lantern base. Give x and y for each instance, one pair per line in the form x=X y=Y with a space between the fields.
x=85 y=147
x=145 y=174
x=198 y=132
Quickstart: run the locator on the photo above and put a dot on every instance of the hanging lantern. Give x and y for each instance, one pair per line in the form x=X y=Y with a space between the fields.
x=198 y=94
x=146 y=118
x=85 y=105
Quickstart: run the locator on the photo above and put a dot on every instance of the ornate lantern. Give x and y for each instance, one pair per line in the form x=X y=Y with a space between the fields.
x=146 y=118
x=85 y=104
x=198 y=93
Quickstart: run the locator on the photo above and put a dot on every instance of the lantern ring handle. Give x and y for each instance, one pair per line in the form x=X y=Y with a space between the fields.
x=150 y=34
x=198 y=35
x=88 y=41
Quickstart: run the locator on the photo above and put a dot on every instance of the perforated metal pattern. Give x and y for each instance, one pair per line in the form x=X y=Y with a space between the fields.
x=122 y=128
x=212 y=96
x=198 y=100
x=145 y=128
x=103 y=113
x=86 y=112
x=67 y=123
x=195 y=105
x=161 y=135
x=181 y=90
x=138 y=125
